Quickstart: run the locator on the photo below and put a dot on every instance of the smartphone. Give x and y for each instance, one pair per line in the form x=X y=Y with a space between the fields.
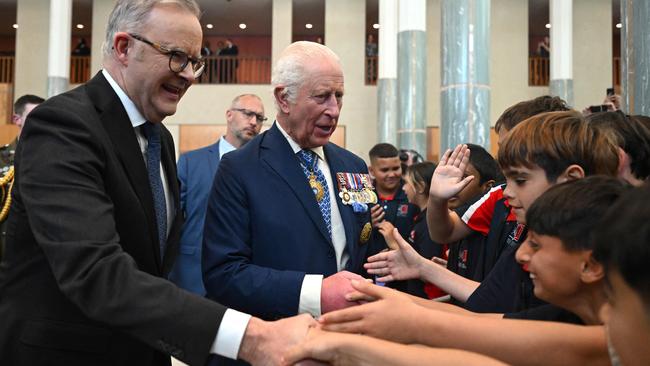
x=598 y=108
x=610 y=91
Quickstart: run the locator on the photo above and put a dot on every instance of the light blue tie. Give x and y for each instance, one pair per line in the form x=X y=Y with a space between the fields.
x=152 y=132
x=309 y=163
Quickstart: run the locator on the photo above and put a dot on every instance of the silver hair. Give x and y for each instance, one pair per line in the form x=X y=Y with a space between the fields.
x=131 y=15
x=290 y=69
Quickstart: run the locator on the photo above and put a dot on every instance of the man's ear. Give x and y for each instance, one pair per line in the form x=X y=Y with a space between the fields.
x=121 y=44
x=281 y=99
x=592 y=271
x=15 y=118
x=572 y=172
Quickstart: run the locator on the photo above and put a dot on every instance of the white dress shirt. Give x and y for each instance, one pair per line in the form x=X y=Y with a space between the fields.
x=310 y=290
x=225 y=147
x=234 y=323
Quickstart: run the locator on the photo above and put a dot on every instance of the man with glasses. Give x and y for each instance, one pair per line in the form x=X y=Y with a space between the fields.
x=287 y=226
x=95 y=221
x=196 y=170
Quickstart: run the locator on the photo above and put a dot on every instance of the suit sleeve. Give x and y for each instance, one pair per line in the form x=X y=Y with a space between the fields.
x=228 y=273
x=62 y=180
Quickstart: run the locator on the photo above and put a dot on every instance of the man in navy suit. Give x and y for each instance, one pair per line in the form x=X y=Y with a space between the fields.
x=286 y=223
x=196 y=170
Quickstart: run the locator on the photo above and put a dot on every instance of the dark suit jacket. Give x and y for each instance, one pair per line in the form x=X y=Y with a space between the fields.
x=80 y=282
x=264 y=230
x=196 y=170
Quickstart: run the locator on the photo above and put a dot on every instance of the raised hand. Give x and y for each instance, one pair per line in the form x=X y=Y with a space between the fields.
x=402 y=264
x=448 y=179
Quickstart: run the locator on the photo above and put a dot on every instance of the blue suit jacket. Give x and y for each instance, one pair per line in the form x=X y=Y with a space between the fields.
x=196 y=170
x=264 y=230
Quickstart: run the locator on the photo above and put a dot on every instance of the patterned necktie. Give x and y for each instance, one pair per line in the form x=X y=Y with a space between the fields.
x=318 y=184
x=152 y=132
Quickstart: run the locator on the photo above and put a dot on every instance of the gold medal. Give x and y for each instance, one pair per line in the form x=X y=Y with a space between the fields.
x=316 y=187
x=345 y=197
x=365 y=233
x=372 y=196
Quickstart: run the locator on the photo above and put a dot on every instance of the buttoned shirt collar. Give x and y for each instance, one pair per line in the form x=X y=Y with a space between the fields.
x=294 y=145
x=225 y=147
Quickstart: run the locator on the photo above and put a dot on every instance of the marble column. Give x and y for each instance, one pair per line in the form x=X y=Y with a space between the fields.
x=387 y=81
x=465 y=91
x=561 y=83
x=635 y=56
x=58 y=60
x=411 y=75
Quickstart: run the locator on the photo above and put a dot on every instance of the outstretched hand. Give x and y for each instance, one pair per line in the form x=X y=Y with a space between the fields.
x=448 y=179
x=390 y=317
x=402 y=264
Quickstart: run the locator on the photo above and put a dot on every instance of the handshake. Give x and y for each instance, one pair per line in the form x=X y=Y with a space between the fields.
x=290 y=340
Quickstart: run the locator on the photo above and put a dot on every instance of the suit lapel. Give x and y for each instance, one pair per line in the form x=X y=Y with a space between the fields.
x=337 y=165
x=277 y=153
x=213 y=158
x=120 y=130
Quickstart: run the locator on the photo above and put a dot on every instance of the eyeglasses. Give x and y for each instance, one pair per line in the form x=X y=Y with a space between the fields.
x=178 y=60
x=250 y=114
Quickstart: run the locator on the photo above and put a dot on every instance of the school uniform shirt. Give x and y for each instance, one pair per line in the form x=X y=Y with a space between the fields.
x=422 y=243
x=466 y=254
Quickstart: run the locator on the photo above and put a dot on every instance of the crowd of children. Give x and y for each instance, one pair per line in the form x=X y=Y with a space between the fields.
x=548 y=267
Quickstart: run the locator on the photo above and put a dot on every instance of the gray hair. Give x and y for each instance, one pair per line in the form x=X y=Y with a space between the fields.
x=290 y=69
x=131 y=15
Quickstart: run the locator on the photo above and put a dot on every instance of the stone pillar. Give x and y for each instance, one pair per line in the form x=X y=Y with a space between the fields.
x=31 y=48
x=58 y=65
x=412 y=75
x=465 y=91
x=561 y=83
x=281 y=28
x=101 y=12
x=635 y=56
x=387 y=81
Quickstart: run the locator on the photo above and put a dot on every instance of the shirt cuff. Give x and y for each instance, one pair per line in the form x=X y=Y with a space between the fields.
x=310 y=295
x=230 y=334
